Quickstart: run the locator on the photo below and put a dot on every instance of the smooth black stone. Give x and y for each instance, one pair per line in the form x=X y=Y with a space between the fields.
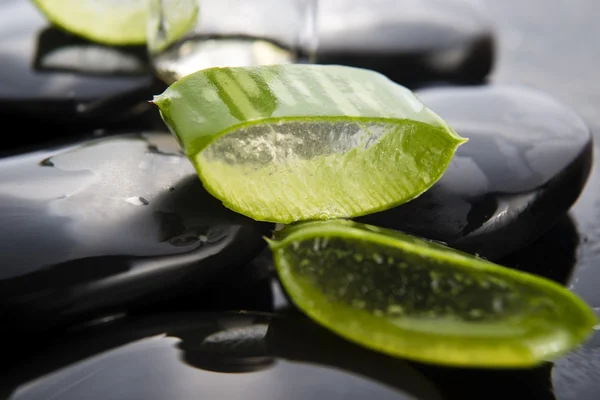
x=411 y=41
x=109 y=225
x=221 y=355
x=526 y=162
x=52 y=75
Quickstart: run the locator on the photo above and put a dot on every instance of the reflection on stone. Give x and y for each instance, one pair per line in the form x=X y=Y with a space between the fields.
x=109 y=222
x=176 y=356
x=526 y=163
x=408 y=40
x=51 y=96
x=57 y=51
x=553 y=255
x=577 y=375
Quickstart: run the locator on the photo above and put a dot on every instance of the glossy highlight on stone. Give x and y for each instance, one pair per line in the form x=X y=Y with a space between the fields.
x=219 y=355
x=408 y=40
x=526 y=162
x=51 y=75
x=212 y=356
x=109 y=224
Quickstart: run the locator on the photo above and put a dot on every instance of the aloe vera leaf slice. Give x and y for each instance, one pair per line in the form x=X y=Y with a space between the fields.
x=424 y=301
x=116 y=22
x=285 y=143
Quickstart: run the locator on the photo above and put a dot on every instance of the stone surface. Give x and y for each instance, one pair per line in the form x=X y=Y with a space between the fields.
x=234 y=355
x=189 y=356
x=408 y=40
x=52 y=75
x=111 y=223
x=526 y=162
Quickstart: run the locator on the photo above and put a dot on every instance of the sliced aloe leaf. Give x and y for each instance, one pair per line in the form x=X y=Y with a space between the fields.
x=114 y=22
x=420 y=300
x=284 y=143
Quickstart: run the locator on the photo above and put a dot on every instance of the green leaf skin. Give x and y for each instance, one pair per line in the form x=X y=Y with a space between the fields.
x=285 y=143
x=113 y=22
x=424 y=301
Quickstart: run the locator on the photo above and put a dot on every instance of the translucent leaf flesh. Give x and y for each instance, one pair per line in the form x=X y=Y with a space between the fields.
x=424 y=301
x=298 y=142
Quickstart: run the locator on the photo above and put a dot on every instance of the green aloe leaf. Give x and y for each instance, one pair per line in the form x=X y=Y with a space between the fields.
x=421 y=300
x=119 y=23
x=285 y=143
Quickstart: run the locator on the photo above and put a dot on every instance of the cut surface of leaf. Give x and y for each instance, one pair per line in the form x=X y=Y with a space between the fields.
x=424 y=301
x=284 y=143
x=114 y=22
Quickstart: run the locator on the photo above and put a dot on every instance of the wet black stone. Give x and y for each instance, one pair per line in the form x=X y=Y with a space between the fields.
x=57 y=77
x=211 y=356
x=526 y=162
x=109 y=225
x=220 y=355
x=410 y=41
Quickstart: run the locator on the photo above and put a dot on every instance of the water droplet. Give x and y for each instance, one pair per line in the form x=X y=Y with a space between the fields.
x=378 y=258
x=47 y=162
x=137 y=201
x=358 y=257
x=475 y=313
x=324 y=243
x=296 y=245
x=203 y=238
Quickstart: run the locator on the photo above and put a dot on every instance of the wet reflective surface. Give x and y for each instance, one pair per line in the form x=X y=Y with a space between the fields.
x=233 y=355
x=33 y=57
x=527 y=160
x=142 y=355
x=110 y=221
x=411 y=41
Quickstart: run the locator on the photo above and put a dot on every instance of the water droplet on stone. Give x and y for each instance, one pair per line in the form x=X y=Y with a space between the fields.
x=47 y=162
x=137 y=201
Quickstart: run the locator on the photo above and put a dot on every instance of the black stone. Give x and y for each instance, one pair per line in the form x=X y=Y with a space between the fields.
x=211 y=356
x=220 y=355
x=526 y=162
x=112 y=224
x=57 y=77
x=410 y=41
